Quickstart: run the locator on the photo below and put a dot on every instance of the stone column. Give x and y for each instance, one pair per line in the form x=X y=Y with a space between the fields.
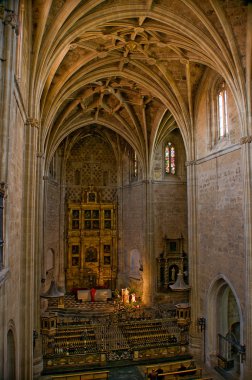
x=28 y=250
x=195 y=338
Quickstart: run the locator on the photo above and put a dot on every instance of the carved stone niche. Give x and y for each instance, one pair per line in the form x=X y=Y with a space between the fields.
x=170 y=262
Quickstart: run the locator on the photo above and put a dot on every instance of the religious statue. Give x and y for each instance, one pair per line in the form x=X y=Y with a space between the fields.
x=125 y=295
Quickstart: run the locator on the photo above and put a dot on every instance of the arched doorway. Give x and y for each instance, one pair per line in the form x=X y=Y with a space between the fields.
x=11 y=360
x=225 y=326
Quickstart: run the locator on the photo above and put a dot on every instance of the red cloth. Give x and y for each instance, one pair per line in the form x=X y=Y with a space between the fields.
x=92 y=293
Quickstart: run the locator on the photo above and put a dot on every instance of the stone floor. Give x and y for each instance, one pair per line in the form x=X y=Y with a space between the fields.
x=126 y=373
x=118 y=373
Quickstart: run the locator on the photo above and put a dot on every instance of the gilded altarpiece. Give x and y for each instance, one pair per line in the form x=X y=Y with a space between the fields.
x=91 y=243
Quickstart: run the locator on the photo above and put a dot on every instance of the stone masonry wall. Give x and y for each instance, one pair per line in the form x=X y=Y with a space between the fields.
x=169 y=213
x=220 y=229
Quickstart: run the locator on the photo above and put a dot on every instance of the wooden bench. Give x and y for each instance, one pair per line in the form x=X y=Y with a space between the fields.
x=99 y=375
x=188 y=374
x=169 y=366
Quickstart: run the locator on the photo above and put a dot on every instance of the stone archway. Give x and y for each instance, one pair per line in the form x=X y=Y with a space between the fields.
x=225 y=327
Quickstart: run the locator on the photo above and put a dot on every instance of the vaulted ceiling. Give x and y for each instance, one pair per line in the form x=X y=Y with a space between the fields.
x=134 y=66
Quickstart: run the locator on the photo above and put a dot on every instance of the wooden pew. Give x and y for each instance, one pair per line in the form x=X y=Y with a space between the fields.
x=169 y=366
x=98 y=375
x=188 y=374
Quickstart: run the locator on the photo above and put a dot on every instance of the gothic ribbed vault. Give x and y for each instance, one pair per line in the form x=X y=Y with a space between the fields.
x=136 y=67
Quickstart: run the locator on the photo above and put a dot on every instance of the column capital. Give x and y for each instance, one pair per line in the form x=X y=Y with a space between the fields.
x=32 y=122
x=190 y=163
x=246 y=140
x=41 y=155
x=9 y=17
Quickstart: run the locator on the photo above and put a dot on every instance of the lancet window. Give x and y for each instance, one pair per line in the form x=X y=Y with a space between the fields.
x=222 y=111
x=170 y=159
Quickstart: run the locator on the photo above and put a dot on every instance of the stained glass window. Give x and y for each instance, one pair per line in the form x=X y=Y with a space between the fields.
x=170 y=156
x=135 y=165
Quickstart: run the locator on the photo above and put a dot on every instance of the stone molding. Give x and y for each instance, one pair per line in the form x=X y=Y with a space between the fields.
x=246 y=140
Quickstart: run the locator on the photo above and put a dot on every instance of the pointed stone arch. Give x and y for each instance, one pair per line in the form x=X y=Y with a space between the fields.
x=224 y=314
x=11 y=352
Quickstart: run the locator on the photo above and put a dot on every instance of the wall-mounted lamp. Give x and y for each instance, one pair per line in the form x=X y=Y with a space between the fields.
x=201 y=322
x=242 y=352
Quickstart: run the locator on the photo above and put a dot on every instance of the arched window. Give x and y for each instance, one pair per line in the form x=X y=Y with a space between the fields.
x=170 y=156
x=222 y=111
